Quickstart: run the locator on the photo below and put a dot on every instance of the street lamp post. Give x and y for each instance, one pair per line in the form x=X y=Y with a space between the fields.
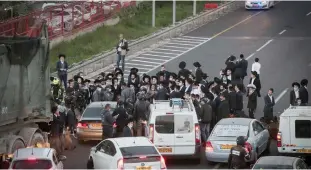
x=194 y=7
x=153 y=13
x=174 y=12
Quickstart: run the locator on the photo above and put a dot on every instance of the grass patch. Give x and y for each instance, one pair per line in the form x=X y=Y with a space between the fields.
x=135 y=23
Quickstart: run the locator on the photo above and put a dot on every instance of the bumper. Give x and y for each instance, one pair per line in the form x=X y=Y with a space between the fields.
x=87 y=136
x=195 y=155
x=290 y=152
x=249 y=6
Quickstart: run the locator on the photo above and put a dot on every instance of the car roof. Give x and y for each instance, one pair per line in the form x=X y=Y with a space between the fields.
x=102 y=104
x=238 y=121
x=132 y=141
x=276 y=160
x=297 y=111
x=40 y=153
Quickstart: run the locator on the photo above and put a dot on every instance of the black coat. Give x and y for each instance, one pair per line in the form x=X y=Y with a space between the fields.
x=59 y=66
x=206 y=113
x=304 y=95
x=223 y=110
x=243 y=64
x=162 y=94
x=257 y=83
x=232 y=100
x=198 y=74
x=239 y=100
x=175 y=94
x=56 y=125
x=184 y=72
x=127 y=132
x=268 y=108
x=292 y=98
x=122 y=116
x=252 y=101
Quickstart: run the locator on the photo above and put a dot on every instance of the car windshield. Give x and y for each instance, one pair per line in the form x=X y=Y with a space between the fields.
x=32 y=164
x=230 y=131
x=94 y=112
x=267 y=166
x=138 y=151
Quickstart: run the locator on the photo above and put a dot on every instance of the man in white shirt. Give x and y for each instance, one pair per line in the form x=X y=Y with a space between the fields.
x=256 y=66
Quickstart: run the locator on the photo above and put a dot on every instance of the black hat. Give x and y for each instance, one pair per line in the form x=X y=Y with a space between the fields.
x=96 y=81
x=103 y=79
x=182 y=65
x=204 y=75
x=232 y=58
x=87 y=81
x=154 y=77
x=118 y=73
x=103 y=74
x=196 y=64
x=304 y=82
x=61 y=55
x=296 y=84
x=146 y=76
x=217 y=80
x=109 y=76
x=76 y=77
x=52 y=78
x=161 y=73
x=70 y=80
x=134 y=70
x=118 y=70
x=196 y=83
x=254 y=73
x=174 y=75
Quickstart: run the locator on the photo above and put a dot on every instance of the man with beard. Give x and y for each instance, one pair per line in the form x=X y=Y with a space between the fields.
x=230 y=64
x=163 y=72
x=107 y=93
x=268 y=108
x=107 y=122
x=223 y=108
x=252 y=100
x=162 y=93
x=175 y=93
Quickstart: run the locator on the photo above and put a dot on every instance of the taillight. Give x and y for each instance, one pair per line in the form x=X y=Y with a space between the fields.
x=82 y=125
x=151 y=132
x=163 y=165
x=197 y=134
x=209 y=147
x=279 y=140
x=248 y=147
x=120 y=164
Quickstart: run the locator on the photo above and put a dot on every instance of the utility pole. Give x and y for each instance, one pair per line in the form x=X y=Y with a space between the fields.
x=174 y=12
x=194 y=7
x=153 y=13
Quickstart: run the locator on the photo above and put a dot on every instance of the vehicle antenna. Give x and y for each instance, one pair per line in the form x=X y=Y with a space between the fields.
x=32 y=151
x=134 y=141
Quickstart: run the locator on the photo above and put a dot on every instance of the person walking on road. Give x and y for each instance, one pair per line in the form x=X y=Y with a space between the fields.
x=243 y=64
x=62 y=67
x=122 y=49
x=206 y=118
x=268 y=108
x=252 y=100
x=256 y=66
x=107 y=122
x=303 y=92
x=255 y=81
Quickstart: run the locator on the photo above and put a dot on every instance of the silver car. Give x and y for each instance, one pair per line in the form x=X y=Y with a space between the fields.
x=224 y=134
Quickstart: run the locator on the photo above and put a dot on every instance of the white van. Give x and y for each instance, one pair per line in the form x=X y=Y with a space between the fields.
x=174 y=129
x=294 y=137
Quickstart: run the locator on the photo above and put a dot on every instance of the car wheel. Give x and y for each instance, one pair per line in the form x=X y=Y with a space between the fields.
x=90 y=164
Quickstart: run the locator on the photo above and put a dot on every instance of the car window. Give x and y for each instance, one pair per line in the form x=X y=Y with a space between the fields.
x=302 y=128
x=183 y=124
x=257 y=127
x=32 y=164
x=110 y=149
x=165 y=124
x=94 y=112
x=230 y=131
x=103 y=146
x=300 y=164
x=138 y=151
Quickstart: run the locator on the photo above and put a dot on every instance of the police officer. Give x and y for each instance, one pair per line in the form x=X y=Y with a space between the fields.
x=238 y=155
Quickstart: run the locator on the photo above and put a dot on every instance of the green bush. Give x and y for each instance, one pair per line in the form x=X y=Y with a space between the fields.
x=135 y=22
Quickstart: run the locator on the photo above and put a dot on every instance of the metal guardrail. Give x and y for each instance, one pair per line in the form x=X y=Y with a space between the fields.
x=105 y=59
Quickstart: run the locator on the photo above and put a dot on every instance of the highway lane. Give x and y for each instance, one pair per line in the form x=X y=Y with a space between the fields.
x=284 y=59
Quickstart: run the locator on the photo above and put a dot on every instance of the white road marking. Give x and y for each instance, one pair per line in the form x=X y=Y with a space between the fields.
x=197 y=37
x=139 y=64
x=250 y=56
x=170 y=46
x=161 y=52
x=146 y=62
x=151 y=58
x=282 y=32
x=264 y=45
x=308 y=14
x=179 y=41
x=165 y=49
x=158 y=55
x=182 y=44
x=190 y=39
x=281 y=95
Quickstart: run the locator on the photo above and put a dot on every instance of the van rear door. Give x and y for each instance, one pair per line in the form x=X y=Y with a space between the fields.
x=301 y=133
x=164 y=134
x=184 y=134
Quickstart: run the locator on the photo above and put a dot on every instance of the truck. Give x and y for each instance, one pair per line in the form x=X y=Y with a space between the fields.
x=25 y=113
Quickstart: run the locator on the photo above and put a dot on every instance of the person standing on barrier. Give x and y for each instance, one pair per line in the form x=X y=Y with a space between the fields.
x=122 y=49
x=62 y=67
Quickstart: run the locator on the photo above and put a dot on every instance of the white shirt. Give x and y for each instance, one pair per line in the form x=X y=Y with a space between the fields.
x=252 y=82
x=270 y=98
x=297 y=94
x=256 y=67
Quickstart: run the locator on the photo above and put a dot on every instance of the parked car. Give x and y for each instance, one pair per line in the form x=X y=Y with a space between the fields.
x=280 y=162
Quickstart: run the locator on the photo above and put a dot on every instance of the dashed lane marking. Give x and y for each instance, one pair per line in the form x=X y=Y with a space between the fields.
x=263 y=46
x=282 y=32
x=308 y=14
x=281 y=95
x=191 y=39
x=250 y=56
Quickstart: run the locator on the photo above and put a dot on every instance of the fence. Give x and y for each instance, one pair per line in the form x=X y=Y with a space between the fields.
x=63 y=19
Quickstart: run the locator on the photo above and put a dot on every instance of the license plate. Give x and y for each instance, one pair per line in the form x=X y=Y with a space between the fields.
x=165 y=150
x=304 y=150
x=226 y=146
x=256 y=5
x=143 y=168
x=96 y=125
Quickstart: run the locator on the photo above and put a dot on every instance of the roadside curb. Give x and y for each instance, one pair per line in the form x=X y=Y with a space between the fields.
x=104 y=61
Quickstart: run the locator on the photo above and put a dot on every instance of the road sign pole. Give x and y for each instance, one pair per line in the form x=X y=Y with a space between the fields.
x=174 y=12
x=194 y=7
x=153 y=13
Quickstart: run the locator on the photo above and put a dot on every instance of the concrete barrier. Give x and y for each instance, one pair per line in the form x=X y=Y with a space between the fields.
x=106 y=59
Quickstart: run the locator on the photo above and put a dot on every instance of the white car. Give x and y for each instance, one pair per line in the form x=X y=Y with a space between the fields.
x=125 y=153
x=258 y=4
x=36 y=158
x=174 y=129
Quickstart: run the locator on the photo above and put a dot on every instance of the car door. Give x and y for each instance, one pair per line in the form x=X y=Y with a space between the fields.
x=110 y=153
x=59 y=164
x=99 y=157
x=259 y=136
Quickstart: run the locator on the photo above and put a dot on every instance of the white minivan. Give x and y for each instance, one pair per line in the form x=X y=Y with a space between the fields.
x=174 y=129
x=295 y=131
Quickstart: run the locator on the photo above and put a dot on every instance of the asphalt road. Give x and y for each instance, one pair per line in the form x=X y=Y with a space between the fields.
x=279 y=37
